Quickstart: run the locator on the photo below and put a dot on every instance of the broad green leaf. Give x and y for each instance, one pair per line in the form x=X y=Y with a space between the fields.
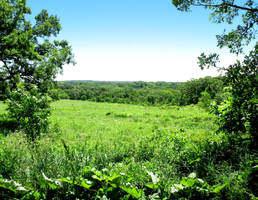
x=189 y=182
x=66 y=180
x=132 y=191
x=86 y=184
x=114 y=178
x=151 y=186
x=219 y=188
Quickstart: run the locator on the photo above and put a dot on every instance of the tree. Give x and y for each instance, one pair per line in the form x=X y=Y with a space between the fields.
x=29 y=51
x=191 y=91
x=239 y=113
x=226 y=11
x=29 y=54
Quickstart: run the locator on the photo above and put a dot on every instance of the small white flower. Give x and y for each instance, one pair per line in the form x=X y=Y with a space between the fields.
x=200 y=180
x=192 y=175
x=21 y=188
x=176 y=187
x=105 y=170
x=173 y=189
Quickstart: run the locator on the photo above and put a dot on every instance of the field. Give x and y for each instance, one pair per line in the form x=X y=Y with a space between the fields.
x=170 y=142
x=109 y=124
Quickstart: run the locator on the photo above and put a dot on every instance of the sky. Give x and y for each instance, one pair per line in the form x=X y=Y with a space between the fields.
x=133 y=40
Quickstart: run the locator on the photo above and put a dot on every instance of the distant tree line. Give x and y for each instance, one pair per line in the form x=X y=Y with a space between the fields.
x=144 y=93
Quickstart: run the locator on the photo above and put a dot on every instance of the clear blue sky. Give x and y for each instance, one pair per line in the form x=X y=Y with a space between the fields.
x=130 y=40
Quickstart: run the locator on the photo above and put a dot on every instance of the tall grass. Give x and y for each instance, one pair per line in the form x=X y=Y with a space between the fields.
x=170 y=142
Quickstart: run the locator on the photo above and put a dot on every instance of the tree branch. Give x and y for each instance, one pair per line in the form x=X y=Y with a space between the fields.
x=242 y=8
x=228 y=4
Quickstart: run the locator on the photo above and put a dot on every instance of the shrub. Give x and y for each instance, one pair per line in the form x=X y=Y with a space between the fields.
x=205 y=100
x=30 y=109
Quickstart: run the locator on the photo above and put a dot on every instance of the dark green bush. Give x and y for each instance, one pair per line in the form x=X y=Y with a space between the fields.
x=30 y=110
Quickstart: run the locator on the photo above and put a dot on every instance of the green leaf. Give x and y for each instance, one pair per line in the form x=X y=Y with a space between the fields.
x=151 y=186
x=132 y=191
x=219 y=188
x=97 y=178
x=52 y=186
x=66 y=180
x=189 y=182
x=86 y=185
x=193 y=161
x=114 y=178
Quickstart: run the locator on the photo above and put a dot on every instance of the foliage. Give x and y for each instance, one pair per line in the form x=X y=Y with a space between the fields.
x=29 y=54
x=191 y=91
x=205 y=100
x=26 y=49
x=225 y=11
x=149 y=150
x=30 y=109
x=10 y=189
x=131 y=152
x=239 y=112
x=94 y=184
x=143 y=93
x=151 y=93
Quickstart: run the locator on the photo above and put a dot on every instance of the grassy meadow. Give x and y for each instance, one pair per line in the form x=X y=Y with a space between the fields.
x=170 y=142
x=112 y=124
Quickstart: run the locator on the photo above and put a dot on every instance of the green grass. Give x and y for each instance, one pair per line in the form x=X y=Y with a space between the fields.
x=103 y=122
x=171 y=142
x=116 y=130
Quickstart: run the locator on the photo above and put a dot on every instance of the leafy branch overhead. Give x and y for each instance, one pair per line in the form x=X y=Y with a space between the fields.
x=226 y=11
x=29 y=51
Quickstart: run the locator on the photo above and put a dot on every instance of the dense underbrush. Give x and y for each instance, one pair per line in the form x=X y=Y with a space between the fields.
x=115 y=151
x=163 y=165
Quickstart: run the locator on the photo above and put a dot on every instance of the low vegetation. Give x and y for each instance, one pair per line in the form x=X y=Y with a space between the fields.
x=118 y=151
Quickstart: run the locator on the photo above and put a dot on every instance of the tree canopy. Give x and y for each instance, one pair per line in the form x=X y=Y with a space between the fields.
x=28 y=51
x=245 y=15
x=226 y=11
x=30 y=59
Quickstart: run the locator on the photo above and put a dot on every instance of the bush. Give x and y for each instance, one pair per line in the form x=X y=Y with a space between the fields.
x=205 y=100
x=30 y=109
x=238 y=113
